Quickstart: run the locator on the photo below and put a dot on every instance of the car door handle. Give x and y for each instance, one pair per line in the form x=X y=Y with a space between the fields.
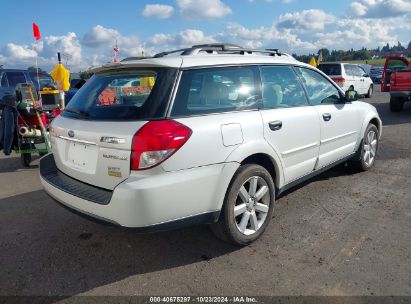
x=275 y=125
x=327 y=116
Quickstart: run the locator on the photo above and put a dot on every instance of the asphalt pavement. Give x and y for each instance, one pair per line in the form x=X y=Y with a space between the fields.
x=342 y=233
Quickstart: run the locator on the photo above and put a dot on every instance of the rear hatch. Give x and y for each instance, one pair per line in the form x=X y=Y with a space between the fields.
x=92 y=138
x=333 y=70
x=392 y=64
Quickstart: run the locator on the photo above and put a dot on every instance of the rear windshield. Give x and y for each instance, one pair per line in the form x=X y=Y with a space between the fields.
x=132 y=95
x=330 y=69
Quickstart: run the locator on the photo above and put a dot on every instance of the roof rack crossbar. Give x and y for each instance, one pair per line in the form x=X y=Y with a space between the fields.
x=162 y=54
x=211 y=47
x=219 y=48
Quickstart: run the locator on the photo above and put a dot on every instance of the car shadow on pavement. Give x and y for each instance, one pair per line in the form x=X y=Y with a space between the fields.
x=337 y=171
x=47 y=250
x=393 y=118
x=12 y=164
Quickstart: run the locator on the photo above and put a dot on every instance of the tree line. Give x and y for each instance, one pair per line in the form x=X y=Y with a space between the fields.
x=362 y=54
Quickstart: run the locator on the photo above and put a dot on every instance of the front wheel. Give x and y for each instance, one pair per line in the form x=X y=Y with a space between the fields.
x=365 y=158
x=248 y=206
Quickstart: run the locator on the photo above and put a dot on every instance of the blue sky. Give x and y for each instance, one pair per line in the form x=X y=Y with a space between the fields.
x=86 y=30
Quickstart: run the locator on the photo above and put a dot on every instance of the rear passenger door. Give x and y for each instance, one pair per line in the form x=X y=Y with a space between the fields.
x=221 y=104
x=340 y=123
x=364 y=83
x=291 y=125
x=353 y=78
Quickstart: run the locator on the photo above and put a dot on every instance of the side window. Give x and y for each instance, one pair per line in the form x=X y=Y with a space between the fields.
x=215 y=90
x=4 y=83
x=349 y=70
x=15 y=78
x=319 y=89
x=281 y=88
x=361 y=72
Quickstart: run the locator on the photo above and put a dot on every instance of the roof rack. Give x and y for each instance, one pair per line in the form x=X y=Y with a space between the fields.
x=220 y=48
x=134 y=58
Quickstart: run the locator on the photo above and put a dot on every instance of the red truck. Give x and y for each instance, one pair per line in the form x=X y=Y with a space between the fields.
x=396 y=79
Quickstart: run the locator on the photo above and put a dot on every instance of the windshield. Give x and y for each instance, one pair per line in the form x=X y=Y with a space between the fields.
x=134 y=95
x=330 y=69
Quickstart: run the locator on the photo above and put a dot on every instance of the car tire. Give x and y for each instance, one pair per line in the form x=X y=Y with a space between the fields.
x=25 y=159
x=248 y=206
x=396 y=105
x=370 y=91
x=365 y=156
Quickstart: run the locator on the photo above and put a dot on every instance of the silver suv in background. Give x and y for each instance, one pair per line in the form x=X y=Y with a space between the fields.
x=209 y=135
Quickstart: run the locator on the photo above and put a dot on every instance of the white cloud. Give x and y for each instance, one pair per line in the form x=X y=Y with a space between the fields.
x=210 y=9
x=312 y=19
x=186 y=38
x=105 y=39
x=66 y=44
x=99 y=35
x=264 y=37
x=158 y=11
x=379 y=8
x=24 y=55
x=16 y=51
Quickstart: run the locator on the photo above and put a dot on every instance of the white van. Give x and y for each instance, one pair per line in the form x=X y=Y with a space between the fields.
x=349 y=77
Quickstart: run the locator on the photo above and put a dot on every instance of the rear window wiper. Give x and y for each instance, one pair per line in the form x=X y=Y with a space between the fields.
x=78 y=112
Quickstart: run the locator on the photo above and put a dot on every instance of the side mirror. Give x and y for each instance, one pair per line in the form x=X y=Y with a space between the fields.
x=351 y=95
x=365 y=75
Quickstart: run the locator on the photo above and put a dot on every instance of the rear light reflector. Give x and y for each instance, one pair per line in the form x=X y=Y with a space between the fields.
x=339 y=80
x=156 y=141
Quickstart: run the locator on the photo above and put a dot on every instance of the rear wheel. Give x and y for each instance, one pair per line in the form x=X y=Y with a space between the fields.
x=248 y=206
x=26 y=159
x=396 y=105
x=370 y=91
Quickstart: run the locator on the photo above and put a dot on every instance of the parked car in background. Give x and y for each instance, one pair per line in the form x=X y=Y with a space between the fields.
x=349 y=77
x=9 y=78
x=213 y=139
x=75 y=85
x=396 y=79
x=376 y=74
x=41 y=80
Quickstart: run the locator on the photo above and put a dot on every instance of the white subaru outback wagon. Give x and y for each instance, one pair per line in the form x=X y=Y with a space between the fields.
x=211 y=134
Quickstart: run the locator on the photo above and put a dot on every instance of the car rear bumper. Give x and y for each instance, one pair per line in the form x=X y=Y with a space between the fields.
x=405 y=95
x=192 y=196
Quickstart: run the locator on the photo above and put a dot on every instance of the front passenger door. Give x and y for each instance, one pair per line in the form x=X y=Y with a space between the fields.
x=291 y=125
x=340 y=123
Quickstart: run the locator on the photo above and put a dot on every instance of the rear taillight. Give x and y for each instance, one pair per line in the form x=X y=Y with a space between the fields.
x=156 y=141
x=339 y=80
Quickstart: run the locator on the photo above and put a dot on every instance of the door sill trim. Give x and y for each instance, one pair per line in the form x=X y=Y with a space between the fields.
x=313 y=173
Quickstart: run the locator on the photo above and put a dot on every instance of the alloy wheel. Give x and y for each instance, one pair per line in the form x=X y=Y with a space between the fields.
x=252 y=205
x=370 y=148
